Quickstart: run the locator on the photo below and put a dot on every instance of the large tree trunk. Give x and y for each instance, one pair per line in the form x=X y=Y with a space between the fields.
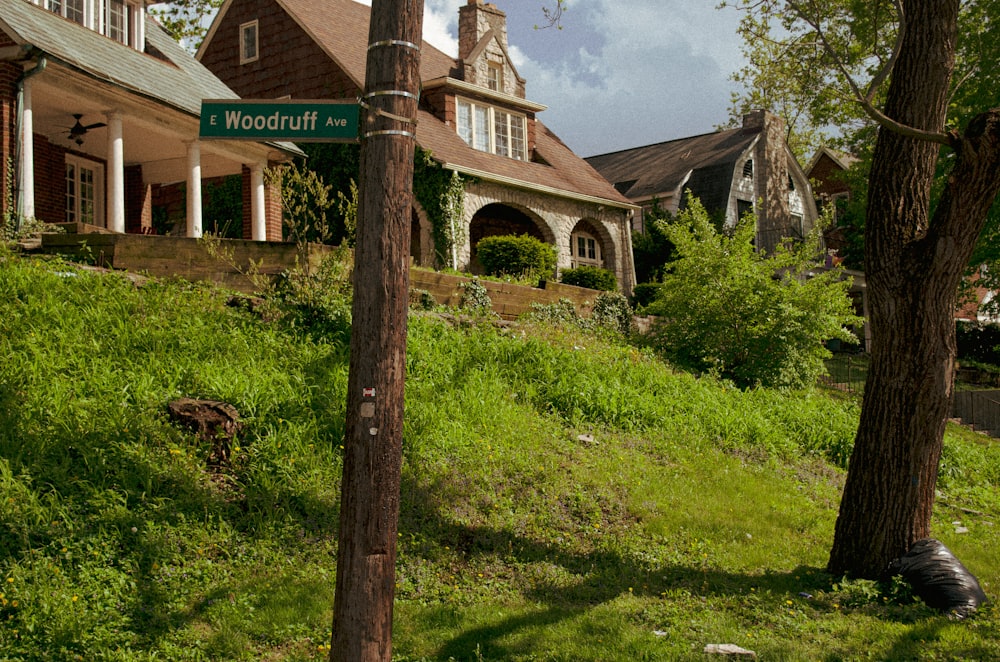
x=369 y=507
x=913 y=268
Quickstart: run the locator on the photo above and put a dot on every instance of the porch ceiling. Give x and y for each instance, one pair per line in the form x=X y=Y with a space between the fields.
x=153 y=136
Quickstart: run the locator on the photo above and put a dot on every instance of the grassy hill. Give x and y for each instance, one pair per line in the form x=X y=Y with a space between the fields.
x=566 y=496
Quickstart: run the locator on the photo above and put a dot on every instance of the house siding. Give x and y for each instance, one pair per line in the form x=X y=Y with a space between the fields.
x=307 y=72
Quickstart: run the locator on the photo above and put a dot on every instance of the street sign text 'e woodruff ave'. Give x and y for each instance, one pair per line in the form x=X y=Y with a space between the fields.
x=299 y=120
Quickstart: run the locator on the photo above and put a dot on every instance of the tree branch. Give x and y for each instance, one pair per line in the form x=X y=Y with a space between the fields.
x=865 y=99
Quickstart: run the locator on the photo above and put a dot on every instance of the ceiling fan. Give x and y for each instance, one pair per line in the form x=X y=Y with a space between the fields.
x=79 y=130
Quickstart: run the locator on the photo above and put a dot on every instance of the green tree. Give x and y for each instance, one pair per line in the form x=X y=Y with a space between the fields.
x=187 y=21
x=727 y=309
x=910 y=69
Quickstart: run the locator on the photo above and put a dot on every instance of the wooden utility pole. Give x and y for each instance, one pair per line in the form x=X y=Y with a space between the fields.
x=369 y=506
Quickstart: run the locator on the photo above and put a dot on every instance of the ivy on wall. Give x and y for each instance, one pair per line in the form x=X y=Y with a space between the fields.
x=441 y=193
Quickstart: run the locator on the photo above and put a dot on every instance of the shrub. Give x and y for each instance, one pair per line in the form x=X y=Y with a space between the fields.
x=522 y=256
x=593 y=277
x=612 y=311
x=644 y=294
x=752 y=318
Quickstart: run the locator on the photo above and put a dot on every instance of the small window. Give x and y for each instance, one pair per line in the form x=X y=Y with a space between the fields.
x=494 y=76
x=748 y=169
x=248 y=43
x=791 y=183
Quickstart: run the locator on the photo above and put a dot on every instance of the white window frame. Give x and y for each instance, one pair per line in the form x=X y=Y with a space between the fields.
x=62 y=8
x=245 y=28
x=78 y=163
x=585 y=249
x=491 y=129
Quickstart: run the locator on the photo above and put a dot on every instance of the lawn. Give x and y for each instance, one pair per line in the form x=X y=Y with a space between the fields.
x=566 y=495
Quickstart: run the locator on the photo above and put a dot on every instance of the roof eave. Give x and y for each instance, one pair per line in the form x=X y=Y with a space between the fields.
x=469 y=88
x=539 y=188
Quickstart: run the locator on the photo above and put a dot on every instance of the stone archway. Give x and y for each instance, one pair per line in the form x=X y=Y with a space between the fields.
x=497 y=219
x=590 y=244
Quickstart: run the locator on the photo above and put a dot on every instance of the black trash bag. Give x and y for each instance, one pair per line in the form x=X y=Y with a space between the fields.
x=939 y=578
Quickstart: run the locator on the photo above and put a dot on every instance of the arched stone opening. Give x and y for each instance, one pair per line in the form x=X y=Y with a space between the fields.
x=498 y=219
x=590 y=244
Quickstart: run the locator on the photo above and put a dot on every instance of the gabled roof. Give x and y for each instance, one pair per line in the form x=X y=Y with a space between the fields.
x=180 y=82
x=840 y=159
x=659 y=170
x=340 y=28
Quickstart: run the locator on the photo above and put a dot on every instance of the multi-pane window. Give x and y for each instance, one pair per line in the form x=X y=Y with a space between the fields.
x=585 y=249
x=84 y=182
x=74 y=10
x=249 y=51
x=117 y=21
x=494 y=76
x=120 y=20
x=490 y=129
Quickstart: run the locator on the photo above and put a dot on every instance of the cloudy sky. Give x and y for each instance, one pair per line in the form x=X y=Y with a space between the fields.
x=620 y=73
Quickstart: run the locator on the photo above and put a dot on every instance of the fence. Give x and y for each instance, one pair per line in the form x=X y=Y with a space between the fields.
x=847 y=372
x=980 y=409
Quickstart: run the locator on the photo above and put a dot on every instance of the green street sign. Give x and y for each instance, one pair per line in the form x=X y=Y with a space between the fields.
x=312 y=120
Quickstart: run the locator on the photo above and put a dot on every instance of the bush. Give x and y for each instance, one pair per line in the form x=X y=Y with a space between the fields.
x=612 y=311
x=594 y=278
x=522 y=256
x=752 y=318
x=644 y=294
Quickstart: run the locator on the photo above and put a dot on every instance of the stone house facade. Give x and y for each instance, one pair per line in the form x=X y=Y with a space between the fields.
x=474 y=119
x=99 y=117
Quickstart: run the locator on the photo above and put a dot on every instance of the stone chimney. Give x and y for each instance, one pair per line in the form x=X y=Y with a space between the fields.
x=772 y=180
x=475 y=19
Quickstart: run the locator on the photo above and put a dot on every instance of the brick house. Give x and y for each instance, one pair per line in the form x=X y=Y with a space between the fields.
x=474 y=119
x=750 y=168
x=99 y=117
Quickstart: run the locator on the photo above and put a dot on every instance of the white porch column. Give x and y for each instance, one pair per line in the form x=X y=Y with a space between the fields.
x=258 y=215
x=194 y=190
x=26 y=191
x=116 y=174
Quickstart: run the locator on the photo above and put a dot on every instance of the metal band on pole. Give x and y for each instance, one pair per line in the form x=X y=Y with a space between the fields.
x=393 y=42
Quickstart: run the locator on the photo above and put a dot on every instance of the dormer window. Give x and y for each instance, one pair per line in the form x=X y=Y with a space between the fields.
x=248 y=43
x=494 y=76
x=491 y=129
x=71 y=9
x=122 y=21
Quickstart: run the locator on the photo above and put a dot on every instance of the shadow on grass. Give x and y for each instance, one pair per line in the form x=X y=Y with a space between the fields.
x=604 y=575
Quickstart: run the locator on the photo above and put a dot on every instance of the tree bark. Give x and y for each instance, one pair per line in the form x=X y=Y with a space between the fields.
x=914 y=264
x=369 y=507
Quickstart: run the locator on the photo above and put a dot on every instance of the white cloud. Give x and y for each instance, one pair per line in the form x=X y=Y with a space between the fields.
x=620 y=73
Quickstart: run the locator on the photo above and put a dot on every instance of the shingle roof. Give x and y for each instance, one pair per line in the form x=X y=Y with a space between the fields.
x=181 y=83
x=659 y=169
x=340 y=27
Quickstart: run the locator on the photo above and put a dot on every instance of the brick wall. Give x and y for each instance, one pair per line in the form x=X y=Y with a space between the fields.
x=8 y=124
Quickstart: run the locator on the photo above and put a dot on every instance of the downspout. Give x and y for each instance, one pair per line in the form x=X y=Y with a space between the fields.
x=19 y=137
